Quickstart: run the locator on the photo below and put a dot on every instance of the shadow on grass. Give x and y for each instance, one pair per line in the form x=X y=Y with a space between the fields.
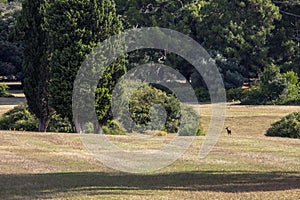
x=39 y=185
x=12 y=100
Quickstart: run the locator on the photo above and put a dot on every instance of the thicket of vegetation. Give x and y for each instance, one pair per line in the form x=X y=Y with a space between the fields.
x=273 y=88
x=249 y=40
x=288 y=126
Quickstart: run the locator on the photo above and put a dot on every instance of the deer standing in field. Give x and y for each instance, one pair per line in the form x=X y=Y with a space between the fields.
x=228 y=130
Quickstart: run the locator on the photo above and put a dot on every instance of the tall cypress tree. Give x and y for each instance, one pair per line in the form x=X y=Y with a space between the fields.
x=29 y=28
x=75 y=27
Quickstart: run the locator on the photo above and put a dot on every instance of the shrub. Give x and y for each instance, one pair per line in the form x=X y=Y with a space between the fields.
x=292 y=93
x=288 y=126
x=202 y=94
x=3 y=90
x=149 y=105
x=113 y=127
x=19 y=118
x=148 y=108
x=252 y=96
x=59 y=124
x=274 y=88
x=156 y=132
x=236 y=94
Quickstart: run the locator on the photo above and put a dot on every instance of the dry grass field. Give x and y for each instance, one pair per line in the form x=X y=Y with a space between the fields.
x=246 y=165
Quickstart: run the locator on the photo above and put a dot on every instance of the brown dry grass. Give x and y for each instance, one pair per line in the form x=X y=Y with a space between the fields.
x=246 y=165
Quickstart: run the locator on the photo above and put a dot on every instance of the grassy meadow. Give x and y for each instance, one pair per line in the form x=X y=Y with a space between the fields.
x=246 y=165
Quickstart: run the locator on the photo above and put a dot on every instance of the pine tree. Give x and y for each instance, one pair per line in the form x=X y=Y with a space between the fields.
x=30 y=29
x=284 y=42
x=238 y=30
x=75 y=27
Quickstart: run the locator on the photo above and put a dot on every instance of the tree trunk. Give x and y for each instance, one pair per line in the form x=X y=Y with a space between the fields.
x=78 y=126
x=43 y=123
x=98 y=128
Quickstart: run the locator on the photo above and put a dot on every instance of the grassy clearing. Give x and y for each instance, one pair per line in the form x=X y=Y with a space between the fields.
x=246 y=165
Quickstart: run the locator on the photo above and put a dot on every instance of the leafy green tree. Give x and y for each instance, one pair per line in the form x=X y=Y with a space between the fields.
x=272 y=83
x=292 y=93
x=10 y=51
x=145 y=99
x=30 y=29
x=74 y=28
x=284 y=41
x=237 y=29
x=172 y=14
x=162 y=13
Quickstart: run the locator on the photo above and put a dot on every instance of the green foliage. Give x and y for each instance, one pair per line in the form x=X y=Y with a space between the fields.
x=145 y=101
x=236 y=94
x=30 y=28
x=113 y=127
x=59 y=124
x=274 y=88
x=292 y=93
x=232 y=73
x=156 y=132
x=236 y=29
x=141 y=13
x=3 y=90
x=19 y=118
x=253 y=96
x=288 y=126
x=74 y=28
x=11 y=54
x=283 y=42
x=202 y=94
x=272 y=83
x=105 y=88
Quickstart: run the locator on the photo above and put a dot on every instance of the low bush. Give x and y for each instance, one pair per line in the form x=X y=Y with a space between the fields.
x=156 y=132
x=19 y=118
x=235 y=94
x=113 y=127
x=3 y=90
x=288 y=126
x=59 y=124
x=202 y=94
x=148 y=106
x=252 y=96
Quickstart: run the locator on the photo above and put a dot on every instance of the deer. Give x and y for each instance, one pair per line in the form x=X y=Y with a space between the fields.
x=228 y=130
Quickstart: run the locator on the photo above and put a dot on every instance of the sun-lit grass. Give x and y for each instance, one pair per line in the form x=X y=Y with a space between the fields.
x=246 y=165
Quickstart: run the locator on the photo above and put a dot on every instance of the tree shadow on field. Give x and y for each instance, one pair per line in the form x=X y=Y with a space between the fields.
x=98 y=183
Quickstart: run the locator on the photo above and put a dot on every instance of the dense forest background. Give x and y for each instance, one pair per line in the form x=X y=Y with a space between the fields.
x=255 y=44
